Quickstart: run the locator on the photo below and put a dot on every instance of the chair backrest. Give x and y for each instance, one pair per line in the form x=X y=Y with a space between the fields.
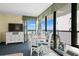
x=49 y=39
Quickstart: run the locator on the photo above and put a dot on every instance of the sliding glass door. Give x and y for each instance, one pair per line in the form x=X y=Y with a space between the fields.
x=49 y=24
x=63 y=26
x=30 y=27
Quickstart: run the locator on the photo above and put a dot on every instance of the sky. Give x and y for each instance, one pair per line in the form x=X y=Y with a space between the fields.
x=31 y=24
x=49 y=24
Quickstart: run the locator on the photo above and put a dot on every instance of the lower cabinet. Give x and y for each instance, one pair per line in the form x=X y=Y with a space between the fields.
x=14 y=37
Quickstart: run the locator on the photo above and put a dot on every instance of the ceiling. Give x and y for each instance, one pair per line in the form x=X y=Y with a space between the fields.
x=27 y=9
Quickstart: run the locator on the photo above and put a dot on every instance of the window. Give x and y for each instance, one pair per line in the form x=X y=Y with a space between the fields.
x=64 y=22
x=50 y=24
x=77 y=24
x=43 y=24
x=31 y=24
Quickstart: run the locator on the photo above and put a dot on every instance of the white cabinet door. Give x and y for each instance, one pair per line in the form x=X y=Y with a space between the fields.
x=14 y=38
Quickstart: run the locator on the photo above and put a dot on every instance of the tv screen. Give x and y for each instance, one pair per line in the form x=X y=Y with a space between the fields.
x=15 y=27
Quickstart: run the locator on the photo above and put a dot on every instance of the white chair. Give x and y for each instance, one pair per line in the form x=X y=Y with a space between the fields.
x=34 y=40
x=49 y=39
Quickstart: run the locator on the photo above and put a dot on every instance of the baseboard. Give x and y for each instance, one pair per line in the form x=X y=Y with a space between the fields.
x=2 y=42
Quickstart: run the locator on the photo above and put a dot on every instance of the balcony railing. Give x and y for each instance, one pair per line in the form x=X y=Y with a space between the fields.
x=65 y=36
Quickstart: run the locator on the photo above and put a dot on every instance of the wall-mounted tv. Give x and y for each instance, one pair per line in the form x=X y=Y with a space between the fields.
x=15 y=27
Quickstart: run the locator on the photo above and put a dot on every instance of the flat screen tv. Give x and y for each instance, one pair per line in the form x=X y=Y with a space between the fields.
x=15 y=27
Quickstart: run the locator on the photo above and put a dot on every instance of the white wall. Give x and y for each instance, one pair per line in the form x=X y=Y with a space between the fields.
x=4 y=20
